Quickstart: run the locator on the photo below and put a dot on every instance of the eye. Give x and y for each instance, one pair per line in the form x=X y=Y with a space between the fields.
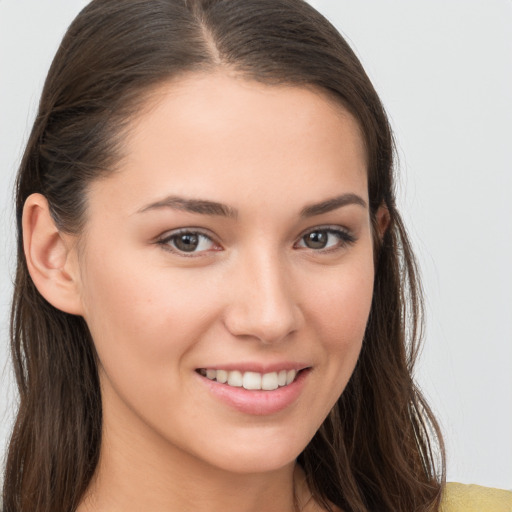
x=190 y=242
x=325 y=238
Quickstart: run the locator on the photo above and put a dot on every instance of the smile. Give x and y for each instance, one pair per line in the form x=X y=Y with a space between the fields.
x=251 y=380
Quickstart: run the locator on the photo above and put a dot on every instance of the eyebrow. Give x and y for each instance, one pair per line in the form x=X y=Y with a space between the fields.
x=201 y=206
x=205 y=207
x=332 y=204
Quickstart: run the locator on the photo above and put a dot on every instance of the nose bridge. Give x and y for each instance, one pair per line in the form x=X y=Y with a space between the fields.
x=263 y=302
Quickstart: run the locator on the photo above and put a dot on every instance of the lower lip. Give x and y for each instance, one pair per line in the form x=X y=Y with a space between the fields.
x=258 y=402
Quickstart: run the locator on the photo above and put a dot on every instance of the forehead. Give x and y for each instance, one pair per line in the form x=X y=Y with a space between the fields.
x=213 y=134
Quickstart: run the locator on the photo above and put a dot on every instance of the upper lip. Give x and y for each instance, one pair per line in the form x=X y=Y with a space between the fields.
x=257 y=367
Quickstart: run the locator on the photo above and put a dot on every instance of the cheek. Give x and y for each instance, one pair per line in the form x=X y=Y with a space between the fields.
x=342 y=305
x=141 y=314
x=338 y=318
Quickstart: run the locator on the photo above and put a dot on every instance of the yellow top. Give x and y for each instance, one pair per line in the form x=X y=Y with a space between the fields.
x=475 y=498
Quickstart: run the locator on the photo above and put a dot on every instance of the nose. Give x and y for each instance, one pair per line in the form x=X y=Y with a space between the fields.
x=263 y=303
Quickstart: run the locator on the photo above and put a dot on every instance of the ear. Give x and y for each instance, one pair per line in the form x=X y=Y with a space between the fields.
x=51 y=257
x=382 y=221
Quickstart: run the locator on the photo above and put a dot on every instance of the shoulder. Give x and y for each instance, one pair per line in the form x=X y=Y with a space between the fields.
x=475 y=498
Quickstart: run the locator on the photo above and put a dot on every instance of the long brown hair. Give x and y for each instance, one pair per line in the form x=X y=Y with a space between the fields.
x=380 y=448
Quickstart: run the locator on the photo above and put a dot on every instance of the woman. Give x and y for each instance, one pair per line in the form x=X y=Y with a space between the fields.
x=213 y=279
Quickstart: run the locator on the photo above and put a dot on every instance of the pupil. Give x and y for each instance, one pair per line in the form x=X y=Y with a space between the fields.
x=316 y=240
x=187 y=243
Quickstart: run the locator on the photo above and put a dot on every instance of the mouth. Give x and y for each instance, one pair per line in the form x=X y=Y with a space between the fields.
x=251 y=380
x=256 y=393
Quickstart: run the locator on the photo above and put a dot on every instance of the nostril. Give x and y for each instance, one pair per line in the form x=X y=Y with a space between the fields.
x=258 y=323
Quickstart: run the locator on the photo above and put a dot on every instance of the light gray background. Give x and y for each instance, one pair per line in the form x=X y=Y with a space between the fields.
x=444 y=72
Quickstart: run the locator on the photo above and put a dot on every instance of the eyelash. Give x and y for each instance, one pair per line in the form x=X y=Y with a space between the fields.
x=167 y=240
x=345 y=238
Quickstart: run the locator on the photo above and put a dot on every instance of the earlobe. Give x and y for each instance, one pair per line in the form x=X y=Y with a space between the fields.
x=51 y=257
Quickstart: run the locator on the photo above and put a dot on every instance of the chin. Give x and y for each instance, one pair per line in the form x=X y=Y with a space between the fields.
x=252 y=461
x=259 y=452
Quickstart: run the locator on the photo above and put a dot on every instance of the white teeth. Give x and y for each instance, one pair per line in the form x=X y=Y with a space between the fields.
x=251 y=380
x=222 y=376
x=235 y=379
x=290 y=376
x=269 y=381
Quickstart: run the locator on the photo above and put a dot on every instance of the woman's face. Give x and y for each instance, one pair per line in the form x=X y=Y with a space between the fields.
x=233 y=243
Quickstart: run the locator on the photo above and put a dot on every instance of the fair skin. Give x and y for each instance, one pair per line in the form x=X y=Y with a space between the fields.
x=275 y=276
